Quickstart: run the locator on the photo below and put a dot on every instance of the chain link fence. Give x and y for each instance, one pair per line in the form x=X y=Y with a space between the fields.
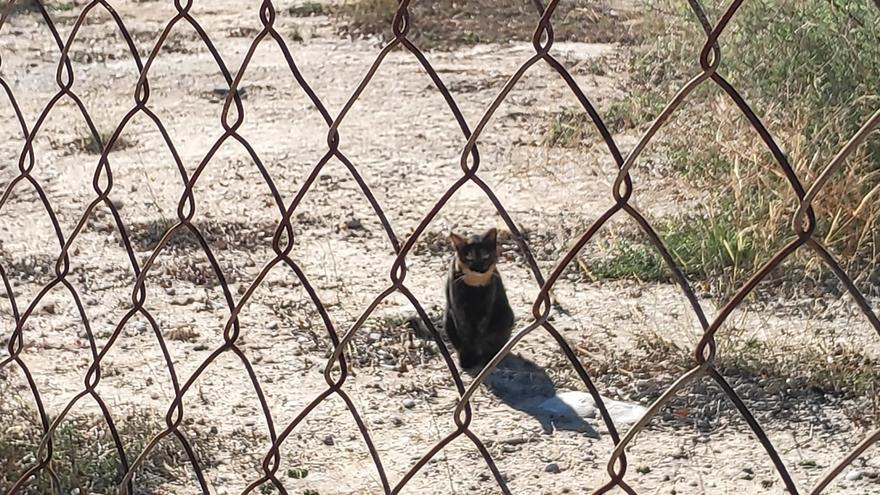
x=337 y=368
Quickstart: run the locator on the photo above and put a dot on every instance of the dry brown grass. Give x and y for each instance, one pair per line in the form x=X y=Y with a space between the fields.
x=809 y=73
x=446 y=23
x=85 y=458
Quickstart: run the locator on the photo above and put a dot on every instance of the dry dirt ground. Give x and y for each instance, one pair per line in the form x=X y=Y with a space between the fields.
x=402 y=139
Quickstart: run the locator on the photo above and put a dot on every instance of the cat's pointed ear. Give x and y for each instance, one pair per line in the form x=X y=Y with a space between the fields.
x=491 y=235
x=456 y=240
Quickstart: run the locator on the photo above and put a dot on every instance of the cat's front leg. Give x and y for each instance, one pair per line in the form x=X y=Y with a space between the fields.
x=451 y=331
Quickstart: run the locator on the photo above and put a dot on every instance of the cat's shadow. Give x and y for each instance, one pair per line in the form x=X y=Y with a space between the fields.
x=525 y=386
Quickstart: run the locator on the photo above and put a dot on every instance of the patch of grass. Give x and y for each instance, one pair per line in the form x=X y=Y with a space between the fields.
x=839 y=370
x=445 y=24
x=628 y=260
x=306 y=9
x=776 y=376
x=366 y=16
x=296 y=35
x=221 y=234
x=182 y=334
x=85 y=459
x=297 y=473
x=569 y=128
x=31 y=7
x=810 y=71
x=710 y=250
x=62 y=6
x=776 y=364
x=572 y=127
x=88 y=142
x=21 y=7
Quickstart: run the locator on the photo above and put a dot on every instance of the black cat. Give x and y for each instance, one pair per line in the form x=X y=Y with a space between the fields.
x=478 y=317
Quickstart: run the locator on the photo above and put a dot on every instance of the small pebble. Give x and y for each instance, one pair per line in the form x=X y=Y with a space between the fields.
x=552 y=468
x=409 y=403
x=679 y=453
x=328 y=440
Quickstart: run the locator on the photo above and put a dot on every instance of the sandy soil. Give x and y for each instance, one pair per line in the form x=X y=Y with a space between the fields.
x=402 y=139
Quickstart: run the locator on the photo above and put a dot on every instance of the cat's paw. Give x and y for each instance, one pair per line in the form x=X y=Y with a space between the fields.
x=468 y=361
x=474 y=362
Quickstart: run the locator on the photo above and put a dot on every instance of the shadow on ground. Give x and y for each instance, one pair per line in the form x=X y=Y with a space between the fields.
x=526 y=387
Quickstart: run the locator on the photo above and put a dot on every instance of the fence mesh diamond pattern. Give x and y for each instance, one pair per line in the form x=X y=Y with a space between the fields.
x=337 y=368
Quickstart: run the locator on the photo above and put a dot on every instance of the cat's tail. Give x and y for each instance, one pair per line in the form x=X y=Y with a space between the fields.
x=420 y=328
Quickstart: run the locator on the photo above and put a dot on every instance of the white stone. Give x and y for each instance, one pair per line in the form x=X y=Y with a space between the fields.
x=582 y=404
x=854 y=475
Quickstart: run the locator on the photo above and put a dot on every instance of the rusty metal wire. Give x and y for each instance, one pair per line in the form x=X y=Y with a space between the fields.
x=336 y=370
